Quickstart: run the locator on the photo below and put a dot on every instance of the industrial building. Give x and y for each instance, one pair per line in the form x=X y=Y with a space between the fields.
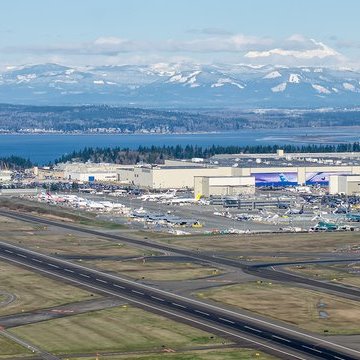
x=223 y=174
x=344 y=184
x=90 y=172
x=174 y=177
x=183 y=176
x=224 y=185
x=5 y=175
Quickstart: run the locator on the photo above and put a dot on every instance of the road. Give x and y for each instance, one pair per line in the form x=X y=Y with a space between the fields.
x=267 y=272
x=277 y=339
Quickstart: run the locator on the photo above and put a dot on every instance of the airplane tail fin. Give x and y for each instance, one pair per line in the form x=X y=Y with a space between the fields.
x=283 y=178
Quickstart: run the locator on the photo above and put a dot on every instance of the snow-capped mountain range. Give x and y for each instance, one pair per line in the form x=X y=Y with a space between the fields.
x=181 y=86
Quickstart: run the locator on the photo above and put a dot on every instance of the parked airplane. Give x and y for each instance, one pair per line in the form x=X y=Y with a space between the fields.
x=353 y=217
x=162 y=196
x=295 y=211
x=185 y=200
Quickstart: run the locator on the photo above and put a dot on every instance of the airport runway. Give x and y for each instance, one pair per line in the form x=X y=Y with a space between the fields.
x=306 y=262
x=285 y=342
x=267 y=272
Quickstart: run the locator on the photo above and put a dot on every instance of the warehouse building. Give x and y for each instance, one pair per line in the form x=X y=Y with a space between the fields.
x=5 y=176
x=345 y=184
x=266 y=169
x=89 y=172
x=224 y=185
x=295 y=175
x=181 y=176
x=174 y=177
x=91 y=176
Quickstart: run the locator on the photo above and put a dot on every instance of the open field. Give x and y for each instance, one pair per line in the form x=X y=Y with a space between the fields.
x=57 y=213
x=118 y=329
x=59 y=241
x=335 y=273
x=310 y=310
x=156 y=270
x=11 y=225
x=273 y=243
x=9 y=349
x=222 y=354
x=51 y=242
x=35 y=291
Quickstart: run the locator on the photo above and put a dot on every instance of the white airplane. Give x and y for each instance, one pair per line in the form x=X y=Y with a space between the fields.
x=51 y=198
x=95 y=205
x=162 y=196
x=295 y=211
x=197 y=199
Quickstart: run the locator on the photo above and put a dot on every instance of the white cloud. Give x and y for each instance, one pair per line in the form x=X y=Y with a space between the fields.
x=320 y=51
x=111 y=40
x=212 y=45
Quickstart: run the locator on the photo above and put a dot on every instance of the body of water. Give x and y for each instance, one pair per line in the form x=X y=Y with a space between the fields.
x=44 y=148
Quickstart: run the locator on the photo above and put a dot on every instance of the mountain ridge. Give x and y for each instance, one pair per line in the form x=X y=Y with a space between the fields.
x=181 y=86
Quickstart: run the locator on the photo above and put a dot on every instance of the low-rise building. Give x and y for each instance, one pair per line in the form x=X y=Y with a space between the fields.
x=344 y=184
x=223 y=185
x=167 y=177
x=87 y=176
x=5 y=175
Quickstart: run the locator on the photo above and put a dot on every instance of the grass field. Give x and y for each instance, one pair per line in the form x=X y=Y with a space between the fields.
x=51 y=242
x=222 y=354
x=57 y=213
x=10 y=225
x=328 y=272
x=59 y=241
x=10 y=349
x=297 y=306
x=118 y=329
x=270 y=244
x=35 y=291
x=156 y=270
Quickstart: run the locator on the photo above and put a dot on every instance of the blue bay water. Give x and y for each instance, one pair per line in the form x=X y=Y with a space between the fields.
x=45 y=148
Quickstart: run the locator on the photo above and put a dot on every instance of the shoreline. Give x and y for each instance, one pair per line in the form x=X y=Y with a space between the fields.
x=186 y=133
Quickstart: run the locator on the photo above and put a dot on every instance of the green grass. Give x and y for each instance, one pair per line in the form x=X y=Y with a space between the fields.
x=216 y=354
x=335 y=273
x=155 y=270
x=118 y=329
x=66 y=214
x=293 y=305
x=9 y=348
x=35 y=291
x=272 y=244
x=102 y=224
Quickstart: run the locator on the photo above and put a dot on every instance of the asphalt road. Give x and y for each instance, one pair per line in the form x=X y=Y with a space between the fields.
x=267 y=272
x=273 y=338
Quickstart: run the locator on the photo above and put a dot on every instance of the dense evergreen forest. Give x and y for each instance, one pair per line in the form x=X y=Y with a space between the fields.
x=157 y=154
x=15 y=163
x=110 y=119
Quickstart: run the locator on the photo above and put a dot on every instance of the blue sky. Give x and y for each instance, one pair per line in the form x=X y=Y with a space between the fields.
x=86 y=32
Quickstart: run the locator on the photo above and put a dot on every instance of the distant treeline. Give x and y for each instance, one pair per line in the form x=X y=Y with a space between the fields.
x=105 y=118
x=14 y=163
x=157 y=154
